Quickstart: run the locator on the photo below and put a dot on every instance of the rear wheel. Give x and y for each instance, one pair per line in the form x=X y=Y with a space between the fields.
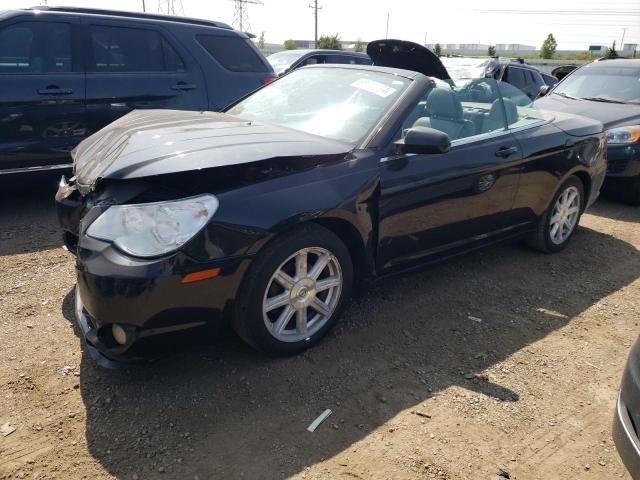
x=294 y=291
x=558 y=224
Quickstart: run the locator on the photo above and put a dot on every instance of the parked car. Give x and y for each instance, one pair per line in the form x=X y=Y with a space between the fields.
x=67 y=72
x=626 y=421
x=563 y=70
x=287 y=60
x=549 y=80
x=526 y=78
x=329 y=176
x=609 y=91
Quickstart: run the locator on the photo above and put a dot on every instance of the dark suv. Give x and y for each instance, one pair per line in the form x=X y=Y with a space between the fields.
x=67 y=72
x=526 y=78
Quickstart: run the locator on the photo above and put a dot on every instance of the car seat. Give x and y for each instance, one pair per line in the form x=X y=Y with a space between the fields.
x=443 y=111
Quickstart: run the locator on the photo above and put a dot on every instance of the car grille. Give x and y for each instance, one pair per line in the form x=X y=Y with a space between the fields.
x=617 y=166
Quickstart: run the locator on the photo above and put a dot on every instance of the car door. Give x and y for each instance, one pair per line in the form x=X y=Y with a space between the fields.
x=437 y=204
x=42 y=99
x=135 y=66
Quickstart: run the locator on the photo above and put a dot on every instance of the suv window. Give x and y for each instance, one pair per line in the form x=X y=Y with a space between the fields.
x=232 y=52
x=122 y=49
x=515 y=76
x=35 y=47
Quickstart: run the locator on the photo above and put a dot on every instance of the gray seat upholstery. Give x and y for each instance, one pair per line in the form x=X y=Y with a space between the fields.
x=512 y=110
x=443 y=111
x=495 y=119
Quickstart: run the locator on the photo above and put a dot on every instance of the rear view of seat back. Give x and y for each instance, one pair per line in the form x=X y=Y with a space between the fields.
x=443 y=111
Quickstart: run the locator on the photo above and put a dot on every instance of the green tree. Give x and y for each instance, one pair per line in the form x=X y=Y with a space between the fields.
x=261 y=41
x=359 y=46
x=491 y=51
x=330 y=42
x=290 y=45
x=611 y=51
x=437 y=49
x=549 y=46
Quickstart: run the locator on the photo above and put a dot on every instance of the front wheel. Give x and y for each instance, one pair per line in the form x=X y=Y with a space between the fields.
x=558 y=224
x=294 y=291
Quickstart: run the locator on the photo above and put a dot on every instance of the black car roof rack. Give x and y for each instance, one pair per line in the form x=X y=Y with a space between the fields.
x=141 y=15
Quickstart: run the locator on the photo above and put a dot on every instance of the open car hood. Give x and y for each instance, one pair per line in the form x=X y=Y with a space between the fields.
x=407 y=55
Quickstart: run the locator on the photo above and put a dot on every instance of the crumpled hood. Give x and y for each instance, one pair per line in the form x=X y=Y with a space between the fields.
x=155 y=142
x=610 y=114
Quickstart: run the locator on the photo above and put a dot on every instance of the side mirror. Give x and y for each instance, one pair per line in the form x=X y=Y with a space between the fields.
x=423 y=140
x=544 y=89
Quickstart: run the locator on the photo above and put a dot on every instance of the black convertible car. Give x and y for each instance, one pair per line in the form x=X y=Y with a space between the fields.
x=270 y=212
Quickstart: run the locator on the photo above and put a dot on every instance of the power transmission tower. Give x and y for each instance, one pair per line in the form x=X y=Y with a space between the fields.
x=241 y=15
x=170 y=7
x=314 y=6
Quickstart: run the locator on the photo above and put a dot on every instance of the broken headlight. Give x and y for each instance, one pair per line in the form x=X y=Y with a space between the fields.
x=153 y=229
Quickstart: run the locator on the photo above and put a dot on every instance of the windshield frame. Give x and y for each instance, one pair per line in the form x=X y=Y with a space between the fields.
x=371 y=138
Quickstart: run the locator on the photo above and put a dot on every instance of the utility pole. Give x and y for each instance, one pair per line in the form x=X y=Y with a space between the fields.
x=144 y=7
x=624 y=31
x=386 y=35
x=241 y=16
x=314 y=6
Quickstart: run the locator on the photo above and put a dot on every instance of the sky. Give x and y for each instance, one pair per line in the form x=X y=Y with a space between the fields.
x=576 y=24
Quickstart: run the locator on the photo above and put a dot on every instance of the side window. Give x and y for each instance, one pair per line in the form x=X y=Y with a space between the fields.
x=316 y=60
x=519 y=112
x=172 y=61
x=35 y=47
x=363 y=61
x=233 y=52
x=123 y=49
x=472 y=109
x=515 y=76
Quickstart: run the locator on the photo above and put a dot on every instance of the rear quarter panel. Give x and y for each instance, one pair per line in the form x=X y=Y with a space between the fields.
x=550 y=156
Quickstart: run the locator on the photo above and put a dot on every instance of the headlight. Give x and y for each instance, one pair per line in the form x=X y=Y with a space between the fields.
x=152 y=229
x=628 y=134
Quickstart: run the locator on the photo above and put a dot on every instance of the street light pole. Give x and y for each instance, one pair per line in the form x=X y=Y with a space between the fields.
x=387 y=34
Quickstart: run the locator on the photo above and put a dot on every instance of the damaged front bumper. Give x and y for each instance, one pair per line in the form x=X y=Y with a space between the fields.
x=123 y=302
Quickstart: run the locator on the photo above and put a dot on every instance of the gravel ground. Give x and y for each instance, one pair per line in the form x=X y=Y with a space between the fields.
x=501 y=364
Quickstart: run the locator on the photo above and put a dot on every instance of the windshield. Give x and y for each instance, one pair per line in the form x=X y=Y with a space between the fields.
x=282 y=60
x=602 y=81
x=464 y=67
x=338 y=103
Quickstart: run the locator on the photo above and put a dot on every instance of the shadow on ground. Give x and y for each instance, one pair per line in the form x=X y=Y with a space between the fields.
x=610 y=208
x=220 y=410
x=28 y=221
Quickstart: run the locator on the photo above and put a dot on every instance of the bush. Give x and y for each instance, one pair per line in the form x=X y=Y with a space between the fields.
x=330 y=42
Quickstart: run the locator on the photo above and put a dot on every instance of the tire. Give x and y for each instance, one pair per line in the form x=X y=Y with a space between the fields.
x=543 y=238
x=269 y=312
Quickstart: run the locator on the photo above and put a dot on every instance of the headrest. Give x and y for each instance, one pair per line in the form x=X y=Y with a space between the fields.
x=444 y=103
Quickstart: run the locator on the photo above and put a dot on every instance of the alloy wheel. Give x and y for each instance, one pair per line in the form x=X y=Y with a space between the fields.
x=302 y=294
x=564 y=216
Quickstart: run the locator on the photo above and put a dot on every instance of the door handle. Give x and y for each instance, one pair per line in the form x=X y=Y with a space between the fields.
x=183 y=86
x=505 y=152
x=53 y=90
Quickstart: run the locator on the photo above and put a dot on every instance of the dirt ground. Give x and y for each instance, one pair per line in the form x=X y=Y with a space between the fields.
x=501 y=364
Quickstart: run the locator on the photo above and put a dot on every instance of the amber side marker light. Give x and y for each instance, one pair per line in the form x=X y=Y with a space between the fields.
x=202 y=275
